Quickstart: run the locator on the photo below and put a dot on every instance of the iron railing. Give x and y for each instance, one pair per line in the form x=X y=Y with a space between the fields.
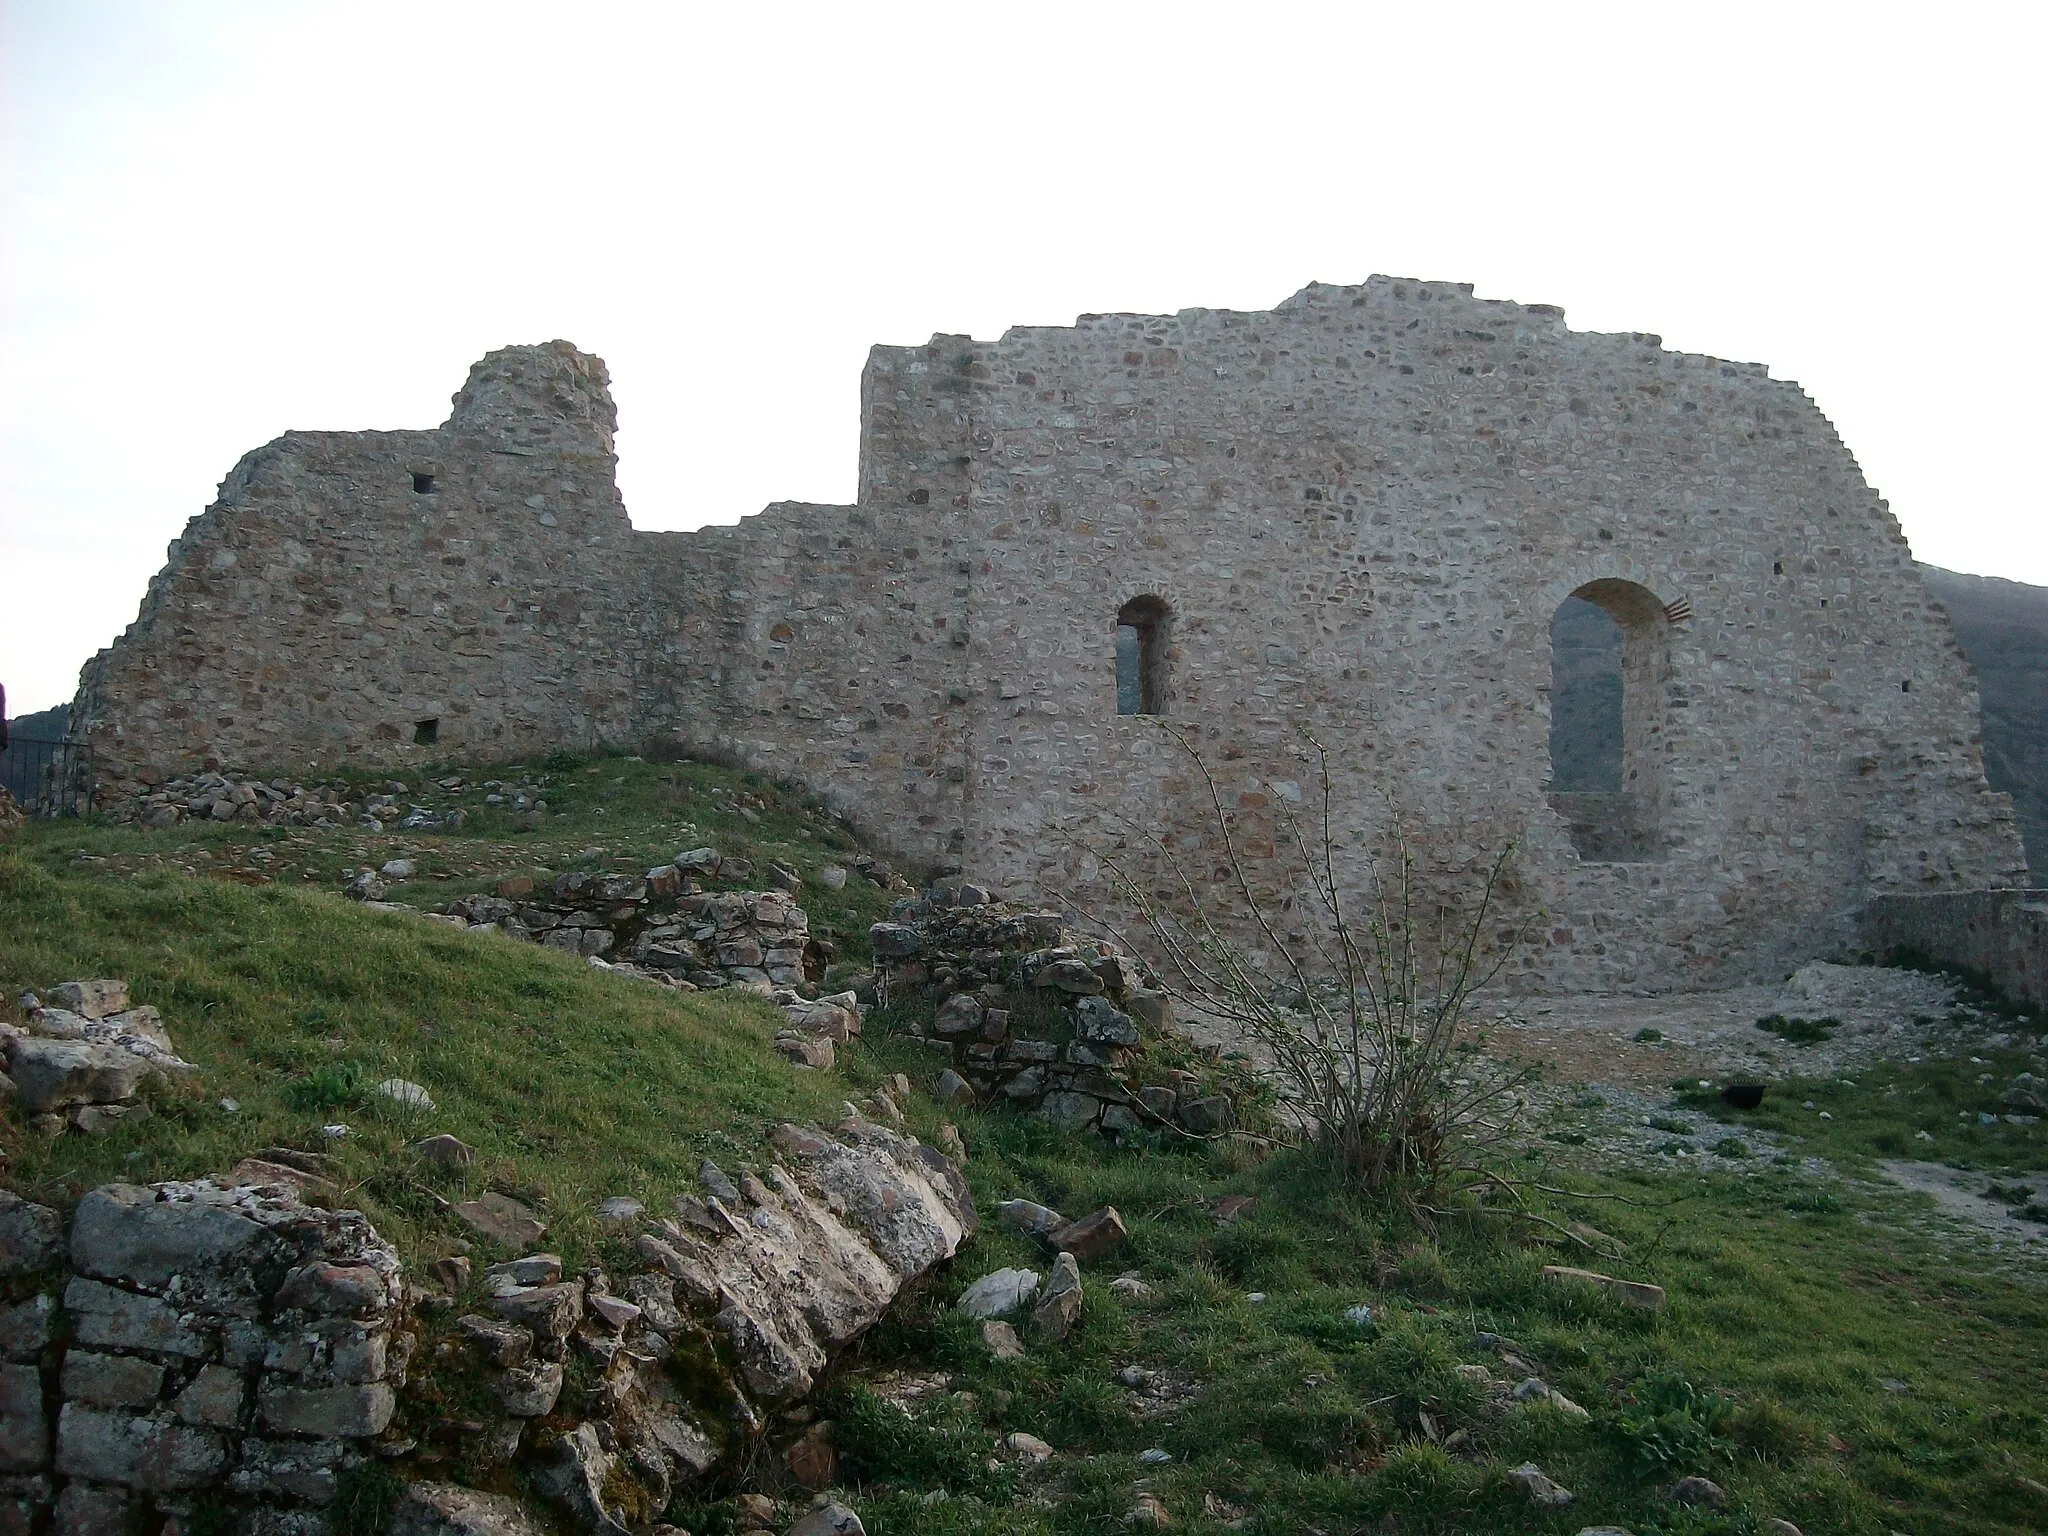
x=48 y=778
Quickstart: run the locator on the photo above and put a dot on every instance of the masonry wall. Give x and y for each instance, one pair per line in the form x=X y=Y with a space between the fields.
x=1363 y=510
x=323 y=607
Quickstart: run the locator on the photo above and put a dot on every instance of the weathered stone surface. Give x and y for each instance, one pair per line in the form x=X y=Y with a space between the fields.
x=1208 y=1117
x=1031 y=1218
x=106 y=1317
x=107 y=1446
x=1095 y=1234
x=27 y=1327
x=575 y=1477
x=829 y=1520
x=294 y=1469
x=551 y=1311
x=501 y=1219
x=1099 y=1021
x=31 y=1236
x=55 y=1074
x=24 y=1432
x=110 y=1381
x=91 y=999
x=445 y=1509
x=810 y=1459
x=214 y=1398
x=529 y=1391
x=1001 y=1341
x=348 y=1411
x=87 y=1509
x=1059 y=1304
x=999 y=1294
x=1542 y=1492
x=210 y=1242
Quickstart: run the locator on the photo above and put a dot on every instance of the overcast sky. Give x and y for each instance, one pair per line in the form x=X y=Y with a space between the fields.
x=221 y=221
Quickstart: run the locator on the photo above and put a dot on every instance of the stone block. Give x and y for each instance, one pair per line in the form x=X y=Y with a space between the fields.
x=105 y=1317
x=1154 y=1010
x=24 y=1431
x=106 y=1446
x=447 y=1509
x=56 y=1074
x=92 y=999
x=1099 y=1022
x=110 y=1381
x=27 y=1327
x=1095 y=1234
x=340 y=1412
x=528 y=1391
x=212 y=1398
x=124 y=1233
x=1208 y=1117
x=91 y=1509
x=293 y=1469
x=31 y=1236
x=1075 y=1111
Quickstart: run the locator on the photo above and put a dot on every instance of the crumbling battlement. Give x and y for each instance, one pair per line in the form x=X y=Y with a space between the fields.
x=1357 y=513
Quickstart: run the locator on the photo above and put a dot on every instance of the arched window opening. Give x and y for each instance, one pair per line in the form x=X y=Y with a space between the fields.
x=1141 y=631
x=1608 y=656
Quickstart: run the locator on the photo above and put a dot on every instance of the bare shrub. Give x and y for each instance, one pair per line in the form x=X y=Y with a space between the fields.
x=1359 y=1000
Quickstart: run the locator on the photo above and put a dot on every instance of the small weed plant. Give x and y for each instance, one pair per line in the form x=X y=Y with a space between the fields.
x=1799 y=1031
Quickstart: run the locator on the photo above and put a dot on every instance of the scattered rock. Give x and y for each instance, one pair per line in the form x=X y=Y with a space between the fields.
x=399 y=869
x=91 y=999
x=31 y=1236
x=1776 y=1527
x=406 y=1095
x=1059 y=1304
x=1208 y=1117
x=446 y=1509
x=1031 y=1218
x=1001 y=1340
x=810 y=1458
x=1028 y=1447
x=501 y=1219
x=830 y=1520
x=1704 y=1493
x=1542 y=1492
x=1148 y=1514
x=1095 y=1234
x=1130 y=1287
x=620 y=1210
x=998 y=1294
x=1360 y=1316
x=953 y=1090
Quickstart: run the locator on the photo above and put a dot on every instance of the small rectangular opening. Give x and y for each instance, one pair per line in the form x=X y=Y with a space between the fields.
x=423 y=485
x=425 y=732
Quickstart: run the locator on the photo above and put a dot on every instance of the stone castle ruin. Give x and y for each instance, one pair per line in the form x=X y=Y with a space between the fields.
x=1426 y=526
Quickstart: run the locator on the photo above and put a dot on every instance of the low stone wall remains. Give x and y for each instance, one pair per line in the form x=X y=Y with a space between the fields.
x=2000 y=935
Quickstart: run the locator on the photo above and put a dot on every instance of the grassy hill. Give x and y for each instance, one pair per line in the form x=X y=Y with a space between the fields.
x=1821 y=1358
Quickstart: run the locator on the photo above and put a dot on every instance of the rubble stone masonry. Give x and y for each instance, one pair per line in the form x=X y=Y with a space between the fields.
x=1357 y=514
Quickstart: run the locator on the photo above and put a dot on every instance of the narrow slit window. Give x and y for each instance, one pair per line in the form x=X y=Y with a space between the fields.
x=426 y=732
x=1141 y=661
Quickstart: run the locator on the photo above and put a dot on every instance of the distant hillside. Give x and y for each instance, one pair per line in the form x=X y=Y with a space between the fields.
x=2003 y=627
x=17 y=767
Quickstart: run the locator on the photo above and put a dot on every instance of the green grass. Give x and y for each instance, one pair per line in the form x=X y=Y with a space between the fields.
x=1796 y=1294
x=573 y=1085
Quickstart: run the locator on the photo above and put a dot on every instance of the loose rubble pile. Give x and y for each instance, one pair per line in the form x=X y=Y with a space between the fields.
x=220 y=1346
x=662 y=924
x=217 y=796
x=83 y=1057
x=1037 y=1016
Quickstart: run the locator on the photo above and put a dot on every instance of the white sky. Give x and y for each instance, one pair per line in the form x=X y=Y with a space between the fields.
x=220 y=221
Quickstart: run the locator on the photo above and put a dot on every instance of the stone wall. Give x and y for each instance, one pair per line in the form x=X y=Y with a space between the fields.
x=1361 y=512
x=1999 y=935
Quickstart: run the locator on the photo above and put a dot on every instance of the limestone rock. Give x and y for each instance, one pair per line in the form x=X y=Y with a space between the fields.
x=1001 y=1340
x=953 y=1090
x=404 y=1094
x=31 y=1236
x=575 y=1476
x=1699 y=1491
x=91 y=999
x=1208 y=1117
x=24 y=1432
x=445 y=1509
x=1030 y=1218
x=1542 y=1492
x=1100 y=1231
x=107 y=1446
x=55 y=1074
x=1028 y=1447
x=830 y=1520
x=1634 y=1293
x=501 y=1219
x=445 y=1151
x=810 y=1459
x=1059 y=1304
x=999 y=1294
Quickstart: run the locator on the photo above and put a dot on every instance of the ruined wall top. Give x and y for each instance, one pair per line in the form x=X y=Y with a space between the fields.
x=545 y=396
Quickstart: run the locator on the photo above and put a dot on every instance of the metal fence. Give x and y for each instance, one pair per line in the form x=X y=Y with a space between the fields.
x=48 y=778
